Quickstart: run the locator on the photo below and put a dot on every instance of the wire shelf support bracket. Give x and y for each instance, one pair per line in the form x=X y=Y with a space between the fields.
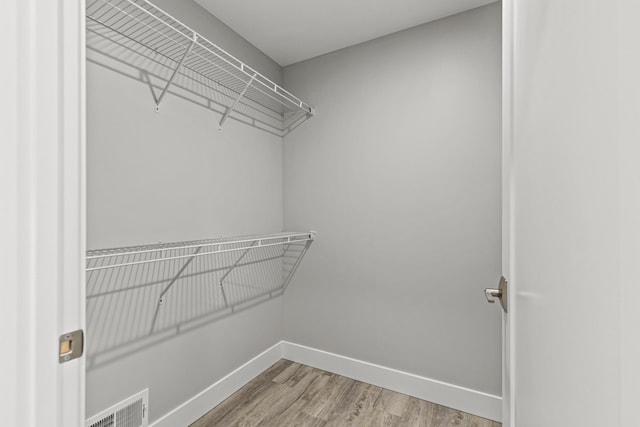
x=175 y=72
x=287 y=280
x=226 y=274
x=235 y=103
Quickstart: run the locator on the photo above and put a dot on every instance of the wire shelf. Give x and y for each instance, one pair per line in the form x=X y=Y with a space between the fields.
x=101 y=259
x=135 y=294
x=189 y=54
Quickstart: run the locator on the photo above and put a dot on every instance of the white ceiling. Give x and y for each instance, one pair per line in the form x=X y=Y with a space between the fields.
x=290 y=31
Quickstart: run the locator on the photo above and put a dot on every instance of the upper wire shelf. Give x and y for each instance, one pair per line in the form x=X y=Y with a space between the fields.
x=190 y=54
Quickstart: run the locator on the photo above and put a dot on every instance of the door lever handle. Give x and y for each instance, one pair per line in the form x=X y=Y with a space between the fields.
x=501 y=293
x=492 y=294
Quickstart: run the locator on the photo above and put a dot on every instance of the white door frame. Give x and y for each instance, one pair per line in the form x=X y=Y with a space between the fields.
x=42 y=220
x=508 y=319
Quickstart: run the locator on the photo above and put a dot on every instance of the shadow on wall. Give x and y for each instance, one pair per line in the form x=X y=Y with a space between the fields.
x=135 y=301
x=120 y=53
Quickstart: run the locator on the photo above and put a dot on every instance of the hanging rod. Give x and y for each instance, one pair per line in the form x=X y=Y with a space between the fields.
x=100 y=259
x=151 y=27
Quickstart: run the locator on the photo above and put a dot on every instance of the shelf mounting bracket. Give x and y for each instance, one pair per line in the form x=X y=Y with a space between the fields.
x=175 y=71
x=233 y=106
x=166 y=289
x=235 y=264
x=297 y=263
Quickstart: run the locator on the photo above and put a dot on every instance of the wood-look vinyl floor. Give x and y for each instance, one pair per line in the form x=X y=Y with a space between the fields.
x=291 y=394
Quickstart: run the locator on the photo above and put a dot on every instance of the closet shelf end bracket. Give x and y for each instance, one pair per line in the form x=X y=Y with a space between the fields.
x=235 y=103
x=175 y=71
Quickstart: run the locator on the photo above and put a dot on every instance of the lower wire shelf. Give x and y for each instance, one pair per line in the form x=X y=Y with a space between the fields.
x=142 y=291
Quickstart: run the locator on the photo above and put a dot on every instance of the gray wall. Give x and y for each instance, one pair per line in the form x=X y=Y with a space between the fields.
x=399 y=173
x=172 y=176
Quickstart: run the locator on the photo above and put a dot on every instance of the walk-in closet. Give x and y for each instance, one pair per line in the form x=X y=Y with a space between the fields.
x=338 y=211
x=320 y=213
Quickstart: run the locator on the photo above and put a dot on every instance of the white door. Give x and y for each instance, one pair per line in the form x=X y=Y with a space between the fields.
x=42 y=212
x=574 y=212
x=507 y=217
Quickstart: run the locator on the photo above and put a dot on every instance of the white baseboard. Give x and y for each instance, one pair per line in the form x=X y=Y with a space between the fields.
x=207 y=399
x=463 y=399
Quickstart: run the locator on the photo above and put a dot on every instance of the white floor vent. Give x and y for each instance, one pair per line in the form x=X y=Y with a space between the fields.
x=131 y=412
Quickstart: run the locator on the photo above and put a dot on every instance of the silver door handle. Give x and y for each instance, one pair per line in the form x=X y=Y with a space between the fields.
x=501 y=293
x=492 y=294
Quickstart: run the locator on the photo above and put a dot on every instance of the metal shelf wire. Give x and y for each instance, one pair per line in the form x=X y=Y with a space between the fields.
x=189 y=54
